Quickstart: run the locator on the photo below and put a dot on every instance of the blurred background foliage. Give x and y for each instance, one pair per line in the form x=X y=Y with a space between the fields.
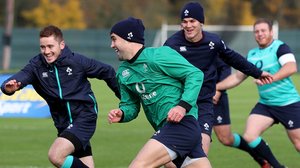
x=95 y=14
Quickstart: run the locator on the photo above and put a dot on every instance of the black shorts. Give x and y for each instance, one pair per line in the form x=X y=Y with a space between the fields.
x=221 y=111
x=79 y=150
x=184 y=137
x=288 y=115
x=206 y=116
x=80 y=132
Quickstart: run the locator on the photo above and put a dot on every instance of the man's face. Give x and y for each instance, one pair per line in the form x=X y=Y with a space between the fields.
x=192 y=29
x=263 y=34
x=51 y=48
x=120 y=45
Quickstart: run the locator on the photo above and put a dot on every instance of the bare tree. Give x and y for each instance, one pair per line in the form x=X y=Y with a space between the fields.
x=9 y=21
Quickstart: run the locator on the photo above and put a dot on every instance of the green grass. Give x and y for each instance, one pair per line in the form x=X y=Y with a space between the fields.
x=24 y=143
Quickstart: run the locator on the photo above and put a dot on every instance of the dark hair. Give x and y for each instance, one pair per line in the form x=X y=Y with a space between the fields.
x=264 y=20
x=51 y=30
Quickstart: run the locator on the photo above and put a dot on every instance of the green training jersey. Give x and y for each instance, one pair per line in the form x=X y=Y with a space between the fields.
x=279 y=93
x=157 y=79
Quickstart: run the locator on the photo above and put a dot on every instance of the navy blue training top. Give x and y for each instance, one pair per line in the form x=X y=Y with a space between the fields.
x=64 y=84
x=204 y=54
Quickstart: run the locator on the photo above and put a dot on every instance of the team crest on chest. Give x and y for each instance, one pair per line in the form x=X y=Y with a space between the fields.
x=145 y=66
x=211 y=45
x=69 y=71
x=125 y=73
x=182 y=48
x=45 y=74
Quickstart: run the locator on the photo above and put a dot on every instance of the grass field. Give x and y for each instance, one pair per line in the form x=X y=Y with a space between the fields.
x=24 y=143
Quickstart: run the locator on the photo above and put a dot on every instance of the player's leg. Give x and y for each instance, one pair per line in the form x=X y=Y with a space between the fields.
x=206 y=141
x=227 y=138
x=184 y=139
x=170 y=165
x=289 y=116
x=59 y=153
x=196 y=158
x=256 y=125
x=202 y=162
x=153 y=154
x=76 y=137
x=223 y=132
x=88 y=160
x=294 y=136
x=222 y=121
x=85 y=155
x=242 y=144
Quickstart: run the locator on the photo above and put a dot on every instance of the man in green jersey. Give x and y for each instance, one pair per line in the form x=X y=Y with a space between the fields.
x=167 y=87
x=279 y=102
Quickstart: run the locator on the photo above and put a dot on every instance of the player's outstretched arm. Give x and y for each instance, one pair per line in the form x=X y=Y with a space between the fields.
x=285 y=71
x=231 y=81
x=114 y=116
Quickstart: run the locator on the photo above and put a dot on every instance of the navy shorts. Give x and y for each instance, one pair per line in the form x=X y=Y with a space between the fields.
x=81 y=131
x=206 y=116
x=184 y=137
x=221 y=111
x=79 y=150
x=288 y=115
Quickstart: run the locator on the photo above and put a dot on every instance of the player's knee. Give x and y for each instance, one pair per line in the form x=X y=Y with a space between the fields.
x=197 y=162
x=249 y=138
x=138 y=164
x=170 y=165
x=297 y=146
x=226 y=140
x=54 y=159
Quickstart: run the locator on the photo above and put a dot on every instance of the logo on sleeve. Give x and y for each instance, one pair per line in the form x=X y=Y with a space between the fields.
x=224 y=45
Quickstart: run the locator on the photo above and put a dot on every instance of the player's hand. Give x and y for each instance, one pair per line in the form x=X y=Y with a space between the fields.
x=12 y=86
x=265 y=78
x=258 y=82
x=216 y=97
x=114 y=116
x=176 y=114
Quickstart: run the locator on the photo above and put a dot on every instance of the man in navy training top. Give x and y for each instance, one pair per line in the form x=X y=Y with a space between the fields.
x=202 y=49
x=61 y=78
